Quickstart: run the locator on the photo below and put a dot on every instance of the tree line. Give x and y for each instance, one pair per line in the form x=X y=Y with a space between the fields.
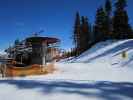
x=108 y=24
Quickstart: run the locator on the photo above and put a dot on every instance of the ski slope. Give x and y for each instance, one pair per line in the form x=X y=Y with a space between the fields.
x=100 y=73
x=109 y=51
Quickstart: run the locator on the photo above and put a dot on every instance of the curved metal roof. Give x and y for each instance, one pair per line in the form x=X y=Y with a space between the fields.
x=48 y=40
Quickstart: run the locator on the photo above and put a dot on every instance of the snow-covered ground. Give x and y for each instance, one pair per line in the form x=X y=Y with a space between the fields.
x=100 y=73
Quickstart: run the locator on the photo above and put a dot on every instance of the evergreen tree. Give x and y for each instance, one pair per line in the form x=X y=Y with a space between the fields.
x=121 y=4
x=108 y=7
x=77 y=33
x=85 y=34
x=100 y=27
x=108 y=11
x=121 y=26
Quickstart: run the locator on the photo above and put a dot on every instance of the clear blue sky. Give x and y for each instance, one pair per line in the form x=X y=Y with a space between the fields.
x=19 y=18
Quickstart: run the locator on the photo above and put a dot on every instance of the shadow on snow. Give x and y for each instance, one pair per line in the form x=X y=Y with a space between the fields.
x=105 y=90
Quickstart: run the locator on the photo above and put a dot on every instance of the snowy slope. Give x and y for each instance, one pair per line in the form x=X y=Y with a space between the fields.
x=110 y=52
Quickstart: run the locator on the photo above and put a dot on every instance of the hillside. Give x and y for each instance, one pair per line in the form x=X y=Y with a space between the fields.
x=110 y=52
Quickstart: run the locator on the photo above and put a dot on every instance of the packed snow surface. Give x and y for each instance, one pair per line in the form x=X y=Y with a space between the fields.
x=101 y=73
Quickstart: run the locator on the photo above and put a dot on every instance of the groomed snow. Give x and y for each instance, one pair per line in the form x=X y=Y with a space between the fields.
x=98 y=74
x=108 y=49
x=70 y=81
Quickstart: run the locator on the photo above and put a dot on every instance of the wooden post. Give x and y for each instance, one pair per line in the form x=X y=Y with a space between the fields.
x=124 y=54
x=3 y=70
x=44 y=52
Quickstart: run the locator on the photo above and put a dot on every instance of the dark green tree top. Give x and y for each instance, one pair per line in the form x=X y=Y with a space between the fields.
x=108 y=7
x=121 y=4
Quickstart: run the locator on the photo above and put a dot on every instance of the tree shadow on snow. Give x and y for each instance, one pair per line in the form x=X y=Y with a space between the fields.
x=104 y=90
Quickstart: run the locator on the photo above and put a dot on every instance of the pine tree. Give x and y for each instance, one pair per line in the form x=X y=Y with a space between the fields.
x=108 y=7
x=121 y=26
x=85 y=34
x=77 y=33
x=108 y=11
x=100 y=27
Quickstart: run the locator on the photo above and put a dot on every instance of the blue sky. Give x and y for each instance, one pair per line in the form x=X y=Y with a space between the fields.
x=20 y=18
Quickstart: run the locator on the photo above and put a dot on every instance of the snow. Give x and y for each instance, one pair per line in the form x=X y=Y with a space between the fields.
x=53 y=90
x=72 y=82
x=2 y=52
x=100 y=73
